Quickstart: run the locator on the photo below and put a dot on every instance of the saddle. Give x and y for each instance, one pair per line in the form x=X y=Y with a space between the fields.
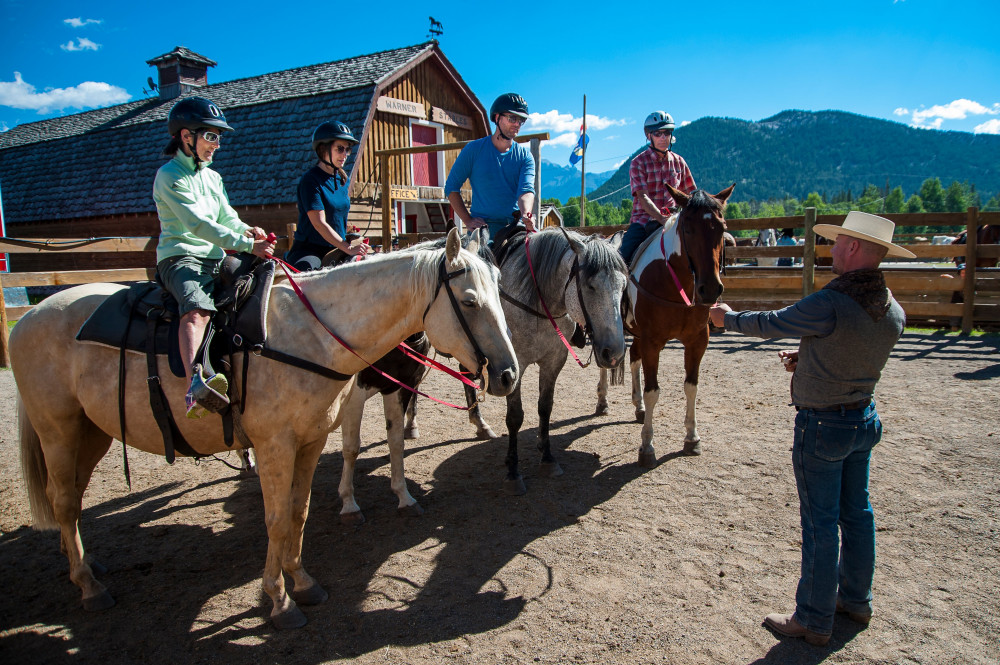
x=145 y=318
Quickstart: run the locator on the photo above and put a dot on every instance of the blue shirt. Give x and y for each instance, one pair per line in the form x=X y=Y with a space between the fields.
x=498 y=179
x=319 y=190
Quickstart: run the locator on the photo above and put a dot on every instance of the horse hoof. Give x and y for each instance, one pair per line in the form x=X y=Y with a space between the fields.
x=411 y=433
x=352 y=519
x=314 y=595
x=410 y=511
x=692 y=448
x=514 y=486
x=486 y=433
x=647 y=460
x=549 y=470
x=640 y=415
x=99 y=603
x=602 y=410
x=289 y=619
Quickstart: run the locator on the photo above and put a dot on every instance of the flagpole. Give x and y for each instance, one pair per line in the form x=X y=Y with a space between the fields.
x=583 y=169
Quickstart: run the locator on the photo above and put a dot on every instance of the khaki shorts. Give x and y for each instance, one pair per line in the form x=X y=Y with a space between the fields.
x=191 y=280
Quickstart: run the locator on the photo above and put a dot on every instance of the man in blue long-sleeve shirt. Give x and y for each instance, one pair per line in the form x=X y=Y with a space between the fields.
x=847 y=330
x=502 y=172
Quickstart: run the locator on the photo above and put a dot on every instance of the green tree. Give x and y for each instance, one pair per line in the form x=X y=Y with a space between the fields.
x=993 y=204
x=955 y=198
x=814 y=200
x=894 y=202
x=932 y=195
x=914 y=204
x=870 y=200
x=571 y=212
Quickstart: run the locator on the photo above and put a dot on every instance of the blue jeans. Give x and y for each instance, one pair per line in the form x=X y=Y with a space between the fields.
x=830 y=456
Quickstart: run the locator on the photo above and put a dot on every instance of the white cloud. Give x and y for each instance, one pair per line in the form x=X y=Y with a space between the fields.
x=567 y=122
x=988 y=127
x=685 y=123
x=960 y=109
x=569 y=140
x=611 y=138
x=89 y=94
x=80 y=22
x=901 y=111
x=618 y=165
x=3 y=127
x=82 y=44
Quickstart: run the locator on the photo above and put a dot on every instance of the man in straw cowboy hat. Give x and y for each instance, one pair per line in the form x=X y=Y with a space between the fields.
x=847 y=330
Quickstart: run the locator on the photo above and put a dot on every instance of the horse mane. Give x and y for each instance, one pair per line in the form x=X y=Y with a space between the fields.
x=547 y=250
x=425 y=270
x=702 y=199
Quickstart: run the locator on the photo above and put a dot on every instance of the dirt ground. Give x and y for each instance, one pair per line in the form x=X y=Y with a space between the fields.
x=609 y=563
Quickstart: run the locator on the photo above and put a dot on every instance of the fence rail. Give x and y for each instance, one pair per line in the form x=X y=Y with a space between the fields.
x=926 y=293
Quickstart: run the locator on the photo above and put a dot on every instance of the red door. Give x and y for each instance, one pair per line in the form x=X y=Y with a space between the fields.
x=425 y=164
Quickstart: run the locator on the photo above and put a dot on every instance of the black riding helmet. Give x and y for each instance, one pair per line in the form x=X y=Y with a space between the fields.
x=196 y=113
x=510 y=102
x=331 y=131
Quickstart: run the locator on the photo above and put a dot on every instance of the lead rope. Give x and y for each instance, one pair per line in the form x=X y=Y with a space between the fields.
x=527 y=253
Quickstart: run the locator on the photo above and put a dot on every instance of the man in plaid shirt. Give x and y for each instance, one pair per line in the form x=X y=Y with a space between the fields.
x=650 y=171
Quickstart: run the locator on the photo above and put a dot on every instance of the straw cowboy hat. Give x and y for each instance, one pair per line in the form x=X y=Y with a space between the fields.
x=863 y=226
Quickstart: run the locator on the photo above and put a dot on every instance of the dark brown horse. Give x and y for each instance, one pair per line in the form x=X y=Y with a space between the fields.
x=986 y=234
x=675 y=279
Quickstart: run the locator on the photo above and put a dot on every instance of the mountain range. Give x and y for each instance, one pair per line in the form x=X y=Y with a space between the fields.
x=563 y=182
x=797 y=152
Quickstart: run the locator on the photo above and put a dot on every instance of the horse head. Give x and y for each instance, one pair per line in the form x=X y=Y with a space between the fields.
x=469 y=323
x=700 y=227
x=601 y=276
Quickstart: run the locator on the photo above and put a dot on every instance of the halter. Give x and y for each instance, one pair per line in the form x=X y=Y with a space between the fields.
x=573 y=273
x=446 y=276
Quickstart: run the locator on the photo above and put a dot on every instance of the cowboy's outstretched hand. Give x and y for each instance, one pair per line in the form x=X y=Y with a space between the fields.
x=790 y=359
x=717 y=314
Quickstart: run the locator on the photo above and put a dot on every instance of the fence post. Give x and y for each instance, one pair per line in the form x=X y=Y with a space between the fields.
x=809 y=254
x=386 y=203
x=4 y=353
x=969 y=292
x=536 y=152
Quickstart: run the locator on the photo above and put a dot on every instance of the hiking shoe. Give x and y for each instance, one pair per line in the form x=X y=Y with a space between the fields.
x=209 y=393
x=864 y=618
x=194 y=410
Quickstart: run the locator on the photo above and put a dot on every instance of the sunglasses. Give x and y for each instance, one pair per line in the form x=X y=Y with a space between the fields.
x=341 y=149
x=517 y=120
x=660 y=133
x=211 y=137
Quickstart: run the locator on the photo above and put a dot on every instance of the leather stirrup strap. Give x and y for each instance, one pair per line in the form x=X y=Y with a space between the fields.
x=157 y=400
x=121 y=380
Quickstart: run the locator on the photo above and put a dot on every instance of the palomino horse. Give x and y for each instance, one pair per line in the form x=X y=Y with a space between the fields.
x=675 y=279
x=398 y=404
x=69 y=407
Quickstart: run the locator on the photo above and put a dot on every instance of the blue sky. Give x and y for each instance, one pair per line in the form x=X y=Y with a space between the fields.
x=926 y=63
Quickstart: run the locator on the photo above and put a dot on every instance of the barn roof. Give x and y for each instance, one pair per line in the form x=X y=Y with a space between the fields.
x=102 y=162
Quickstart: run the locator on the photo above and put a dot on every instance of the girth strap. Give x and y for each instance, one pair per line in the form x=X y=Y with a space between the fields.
x=173 y=440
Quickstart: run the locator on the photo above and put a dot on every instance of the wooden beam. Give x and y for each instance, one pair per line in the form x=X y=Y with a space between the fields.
x=969 y=295
x=67 y=277
x=40 y=245
x=393 y=152
x=809 y=253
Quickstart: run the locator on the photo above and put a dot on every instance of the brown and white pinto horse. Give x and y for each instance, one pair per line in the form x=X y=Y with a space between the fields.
x=675 y=279
x=986 y=234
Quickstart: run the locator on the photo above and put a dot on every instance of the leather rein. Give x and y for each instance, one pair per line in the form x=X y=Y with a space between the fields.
x=444 y=277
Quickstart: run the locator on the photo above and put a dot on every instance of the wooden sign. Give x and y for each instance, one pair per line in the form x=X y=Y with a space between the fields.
x=401 y=107
x=446 y=117
x=403 y=192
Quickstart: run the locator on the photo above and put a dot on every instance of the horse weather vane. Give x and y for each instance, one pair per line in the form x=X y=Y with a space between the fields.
x=436 y=29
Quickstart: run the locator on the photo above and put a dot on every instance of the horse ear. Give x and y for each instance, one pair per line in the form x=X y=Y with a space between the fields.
x=453 y=245
x=574 y=243
x=473 y=242
x=616 y=239
x=679 y=196
x=724 y=195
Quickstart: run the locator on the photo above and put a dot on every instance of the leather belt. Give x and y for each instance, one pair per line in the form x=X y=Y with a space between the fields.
x=852 y=406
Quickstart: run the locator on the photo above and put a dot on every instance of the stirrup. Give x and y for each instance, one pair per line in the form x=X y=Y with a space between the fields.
x=209 y=393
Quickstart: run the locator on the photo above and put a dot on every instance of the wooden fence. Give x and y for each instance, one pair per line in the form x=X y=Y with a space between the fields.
x=925 y=293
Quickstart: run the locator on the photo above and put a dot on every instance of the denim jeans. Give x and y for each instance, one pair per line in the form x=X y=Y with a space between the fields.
x=634 y=235
x=830 y=456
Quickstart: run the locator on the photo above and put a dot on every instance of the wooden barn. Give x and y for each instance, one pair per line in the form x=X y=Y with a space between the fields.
x=90 y=174
x=550 y=216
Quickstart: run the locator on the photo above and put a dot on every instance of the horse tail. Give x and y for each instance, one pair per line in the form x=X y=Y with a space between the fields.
x=34 y=471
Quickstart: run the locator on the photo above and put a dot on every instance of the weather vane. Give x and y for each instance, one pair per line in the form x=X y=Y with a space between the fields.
x=436 y=29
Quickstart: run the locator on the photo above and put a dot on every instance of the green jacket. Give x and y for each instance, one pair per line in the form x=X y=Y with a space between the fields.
x=195 y=216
